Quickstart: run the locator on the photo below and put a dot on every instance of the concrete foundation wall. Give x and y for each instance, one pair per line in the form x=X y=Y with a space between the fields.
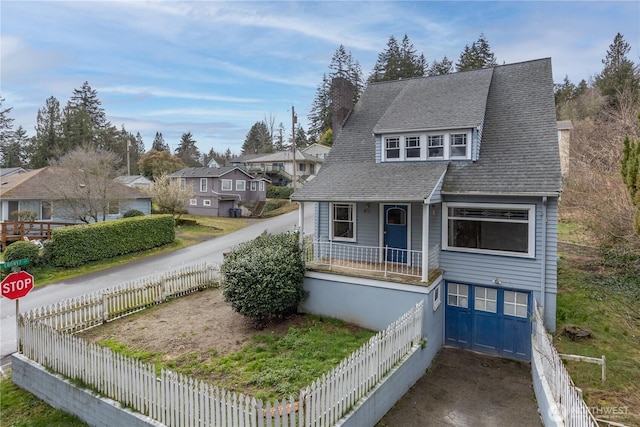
x=60 y=393
x=371 y=409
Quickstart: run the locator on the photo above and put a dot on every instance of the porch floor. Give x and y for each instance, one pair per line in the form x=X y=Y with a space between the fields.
x=375 y=271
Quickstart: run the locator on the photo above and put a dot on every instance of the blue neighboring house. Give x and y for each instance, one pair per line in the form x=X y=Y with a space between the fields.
x=452 y=182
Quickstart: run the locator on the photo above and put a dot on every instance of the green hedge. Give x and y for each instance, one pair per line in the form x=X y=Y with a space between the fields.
x=275 y=192
x=77 y=245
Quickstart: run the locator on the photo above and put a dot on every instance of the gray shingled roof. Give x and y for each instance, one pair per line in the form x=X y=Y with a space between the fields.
x=206 y=172
x=444 y=102
x=518 y=155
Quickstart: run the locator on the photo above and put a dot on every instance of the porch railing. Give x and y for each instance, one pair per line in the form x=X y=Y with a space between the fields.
x=376 y=259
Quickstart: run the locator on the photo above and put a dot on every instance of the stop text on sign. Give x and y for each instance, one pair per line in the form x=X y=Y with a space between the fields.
x=16 y=285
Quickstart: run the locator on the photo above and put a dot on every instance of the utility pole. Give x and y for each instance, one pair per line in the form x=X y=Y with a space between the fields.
x=128 y=163
x=294 y=119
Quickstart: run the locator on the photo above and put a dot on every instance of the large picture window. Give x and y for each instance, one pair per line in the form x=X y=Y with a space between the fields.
x=343 y=221
x=489 y=228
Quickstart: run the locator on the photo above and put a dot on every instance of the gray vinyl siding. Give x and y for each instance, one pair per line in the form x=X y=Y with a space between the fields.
x=512 y=272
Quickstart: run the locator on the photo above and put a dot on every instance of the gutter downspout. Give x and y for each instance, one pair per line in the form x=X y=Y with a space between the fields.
x=543 y=255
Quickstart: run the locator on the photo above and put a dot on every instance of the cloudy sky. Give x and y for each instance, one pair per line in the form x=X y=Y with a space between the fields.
x=215 y=68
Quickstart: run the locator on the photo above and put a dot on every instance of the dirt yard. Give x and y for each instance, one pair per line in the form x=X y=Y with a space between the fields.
x=195 y=323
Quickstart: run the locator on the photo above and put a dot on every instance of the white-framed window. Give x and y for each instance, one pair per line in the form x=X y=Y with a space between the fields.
x=254 y=185
x=441 y=145
x=206 y=202
x=412 y=147
x=183 y=183
x=458 y=295
x=503 y=229
x=458 y=145
x=392 y=147
x=437 y=298
x=193 y=202
x=486 y=299
x=302 y=167
x=261 y=186
x=241 y=185
x=226 y=184
x=516 y=304
x=203 y=185
x=436 y=146
x=343 y=221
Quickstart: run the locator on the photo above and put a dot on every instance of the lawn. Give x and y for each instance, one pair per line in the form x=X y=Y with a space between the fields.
x=599 y=290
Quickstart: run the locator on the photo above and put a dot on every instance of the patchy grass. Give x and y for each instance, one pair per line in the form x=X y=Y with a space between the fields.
x=601 y=293
x=275 y=207
x=272 y=366
x=19 y=408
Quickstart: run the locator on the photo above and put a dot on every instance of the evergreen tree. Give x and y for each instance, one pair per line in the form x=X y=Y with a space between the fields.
x=398 y=62
x=12 y=149
x=6 y=122
x=342 y=65
x=278 y=138
x=631 y=174
x=619 y=73
x=258 y=140
x=155 y=163
x=301 y=138
x=477 y=56
x=46 y=145
x=159 y=144
x=187 y=151
x=438 y=68
x=87 y=98
x=77 y=130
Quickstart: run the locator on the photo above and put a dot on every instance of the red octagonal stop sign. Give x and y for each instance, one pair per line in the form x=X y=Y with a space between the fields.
x=16 y=285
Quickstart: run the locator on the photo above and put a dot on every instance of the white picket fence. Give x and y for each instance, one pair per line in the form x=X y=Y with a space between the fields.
x=177 y=400
x=77 y=314
x=573 y=410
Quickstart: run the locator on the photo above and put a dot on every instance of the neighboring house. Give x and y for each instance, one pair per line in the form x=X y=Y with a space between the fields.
x=317 y=150
x=279 y=166
x=34 y=191
x=5 y=172
x=218 y=190
x=564 y=141
x=136 y=181
x=453 y=182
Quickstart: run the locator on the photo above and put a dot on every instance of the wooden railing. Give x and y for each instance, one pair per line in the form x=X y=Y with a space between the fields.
x=12 y=231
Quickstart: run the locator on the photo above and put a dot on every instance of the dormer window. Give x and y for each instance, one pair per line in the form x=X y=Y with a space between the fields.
x=392 y=148
x=454 y=145
x=458 y=145
x=436 y=146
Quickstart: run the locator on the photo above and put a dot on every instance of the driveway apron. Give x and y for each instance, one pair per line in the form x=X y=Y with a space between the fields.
x=464 y=388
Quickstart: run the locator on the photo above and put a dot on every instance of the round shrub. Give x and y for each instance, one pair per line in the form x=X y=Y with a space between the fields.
x=262 y=278
x=132 y=212
x=21 y=250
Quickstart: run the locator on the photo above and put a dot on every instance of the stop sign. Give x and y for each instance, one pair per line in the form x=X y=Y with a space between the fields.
x=16 y=285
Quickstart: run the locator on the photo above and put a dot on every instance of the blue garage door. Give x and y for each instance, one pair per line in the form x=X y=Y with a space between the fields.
x=490 y=320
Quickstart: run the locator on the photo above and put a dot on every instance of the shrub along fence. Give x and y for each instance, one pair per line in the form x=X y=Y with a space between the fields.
x=178 y=400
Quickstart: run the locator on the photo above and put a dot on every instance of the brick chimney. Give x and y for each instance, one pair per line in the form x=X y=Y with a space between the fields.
x=341 y=101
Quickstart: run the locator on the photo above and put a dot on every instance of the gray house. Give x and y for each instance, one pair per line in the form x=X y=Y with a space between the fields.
x=219 y=191
x=444 y=189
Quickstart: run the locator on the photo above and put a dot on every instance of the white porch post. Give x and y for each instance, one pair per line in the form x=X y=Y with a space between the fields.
x=425 y=241
x=301 y=221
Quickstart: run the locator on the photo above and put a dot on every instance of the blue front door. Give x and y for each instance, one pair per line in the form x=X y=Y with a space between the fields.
x=395 y=232
x=490 y=320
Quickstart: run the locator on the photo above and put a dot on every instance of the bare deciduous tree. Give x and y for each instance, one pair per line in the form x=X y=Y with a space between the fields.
x=85 y=190
x=170 y=195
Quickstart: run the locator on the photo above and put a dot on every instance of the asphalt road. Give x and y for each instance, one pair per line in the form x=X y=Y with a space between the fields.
x=209 y=251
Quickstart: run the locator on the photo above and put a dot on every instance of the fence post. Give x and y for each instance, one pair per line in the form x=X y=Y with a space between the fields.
x=330 y=254
x=105 y=307
x=386 y=249
x=604 y=368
